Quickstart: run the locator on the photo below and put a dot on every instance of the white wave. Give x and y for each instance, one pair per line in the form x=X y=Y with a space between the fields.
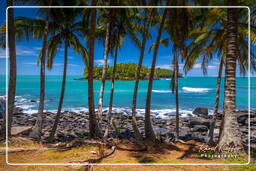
x=196 y=90
x=161 y=91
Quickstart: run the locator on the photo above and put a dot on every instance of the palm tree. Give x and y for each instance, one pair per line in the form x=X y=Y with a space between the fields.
x=209 y=39
x=93 y=123
x=230 y=134
x=146 y=23
x=65 y=31
x=12 y=80
x=105 y=63
x=37 y=129
x=122 y=25
x=178 y=27
x=149 y=132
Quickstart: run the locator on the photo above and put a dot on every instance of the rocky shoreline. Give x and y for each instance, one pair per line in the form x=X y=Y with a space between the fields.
x=73 y=125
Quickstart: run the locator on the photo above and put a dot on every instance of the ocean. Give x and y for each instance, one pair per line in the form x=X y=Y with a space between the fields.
x=193 y=92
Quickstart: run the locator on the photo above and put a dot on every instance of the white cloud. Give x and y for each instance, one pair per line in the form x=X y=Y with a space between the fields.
x=100 y=62
x=196 y=66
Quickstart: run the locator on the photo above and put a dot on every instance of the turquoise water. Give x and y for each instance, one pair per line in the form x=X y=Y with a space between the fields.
x=194 y=92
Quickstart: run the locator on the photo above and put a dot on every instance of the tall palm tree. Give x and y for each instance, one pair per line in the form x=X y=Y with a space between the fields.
x=209 y=39
x=37 y=129
x=149 y=132
x=146 y=24
x=122 y=26
x=230 y=134
x=93 y=123
x=12 y=80
x=105 y=63
x=65 y=32
x=178 y=27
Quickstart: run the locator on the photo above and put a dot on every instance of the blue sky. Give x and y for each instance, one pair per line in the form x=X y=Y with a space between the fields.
x=27 y=53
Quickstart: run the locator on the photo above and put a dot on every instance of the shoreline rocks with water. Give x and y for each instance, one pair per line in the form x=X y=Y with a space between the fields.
x=74 y=124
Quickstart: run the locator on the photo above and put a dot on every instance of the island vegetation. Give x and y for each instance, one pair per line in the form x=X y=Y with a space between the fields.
x=127 y=71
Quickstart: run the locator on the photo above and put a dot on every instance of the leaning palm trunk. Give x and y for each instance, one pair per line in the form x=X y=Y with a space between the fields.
x=149 y=132
x=104 y=72
x=111 y=95
x=230 y=135
x=57 y=118
x=37 y=129
x=216 y=105
x=136 y=131
x=12 y=79
x=93 y=123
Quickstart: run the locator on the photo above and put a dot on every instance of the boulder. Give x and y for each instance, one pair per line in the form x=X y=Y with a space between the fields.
x=21 y=130
x=198 y=121
x=200 y=111
x=2 y=107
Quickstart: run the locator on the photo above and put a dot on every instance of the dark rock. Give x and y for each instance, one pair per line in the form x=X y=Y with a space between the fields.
x=200 y=128
x=33 y=101
x=2 y=107
x=199 y=121
x=200 y=111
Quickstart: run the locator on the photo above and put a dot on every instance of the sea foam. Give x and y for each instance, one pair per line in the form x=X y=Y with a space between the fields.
x=195 y=90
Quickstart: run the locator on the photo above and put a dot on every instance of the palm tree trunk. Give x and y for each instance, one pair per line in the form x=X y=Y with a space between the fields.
x=104 y=72
x=136 y=131
x=57 y=118
x=93 y=123
x=230 y=135
x=37 y=129
x=149 y=132
x=216 y=105
x=12 y=79
x=176 y=94
x=111 y=95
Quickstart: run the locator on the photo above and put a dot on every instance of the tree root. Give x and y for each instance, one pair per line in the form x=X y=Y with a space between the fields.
x=98 y=159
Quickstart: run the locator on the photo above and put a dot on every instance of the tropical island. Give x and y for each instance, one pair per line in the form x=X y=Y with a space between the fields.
x=127 y=71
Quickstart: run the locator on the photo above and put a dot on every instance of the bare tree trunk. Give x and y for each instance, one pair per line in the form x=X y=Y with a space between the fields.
x=12 y=80
x=37 y=129
x=57 y=118
x=216 y=105
x=104 y=72
x=93 y=123
x=136 y=131
x=111 y=95
x=149 y=132
x=230 y=135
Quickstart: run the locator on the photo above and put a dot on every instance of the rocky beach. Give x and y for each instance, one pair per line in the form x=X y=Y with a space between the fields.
x=76 y=124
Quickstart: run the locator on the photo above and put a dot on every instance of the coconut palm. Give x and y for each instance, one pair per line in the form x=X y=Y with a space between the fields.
x=93 y=122
x=178 y=26
x=149 y=132
x=65 y=32
x=122 y=26
x=230 y=134
x=146 y=24
x=12 y=80
x=209 y=40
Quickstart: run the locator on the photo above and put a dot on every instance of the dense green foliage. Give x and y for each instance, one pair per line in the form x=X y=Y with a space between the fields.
x=126 y=71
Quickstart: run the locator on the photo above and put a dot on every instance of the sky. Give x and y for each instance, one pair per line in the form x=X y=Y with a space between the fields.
x=27 y=54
